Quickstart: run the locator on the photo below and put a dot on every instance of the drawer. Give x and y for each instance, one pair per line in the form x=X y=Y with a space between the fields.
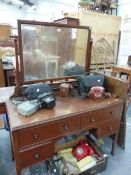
x=101 y=163
x=35 y=155
x=37 y=134
x=100 y=115
x=109 y=128
x=70 y=125
x=47 y=131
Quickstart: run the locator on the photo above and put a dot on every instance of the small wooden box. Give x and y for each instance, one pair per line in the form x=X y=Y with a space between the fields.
x=68 y=20
x=64 y=89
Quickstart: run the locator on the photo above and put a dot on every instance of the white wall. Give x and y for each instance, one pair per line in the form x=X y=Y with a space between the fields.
x=124 y=10
x=50 y=10
x=9 y=14
x=47 y=11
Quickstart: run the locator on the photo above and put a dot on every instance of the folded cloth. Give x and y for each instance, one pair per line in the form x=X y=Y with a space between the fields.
x=67 y=155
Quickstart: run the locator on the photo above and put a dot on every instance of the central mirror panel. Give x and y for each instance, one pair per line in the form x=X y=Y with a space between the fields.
x=53 y=51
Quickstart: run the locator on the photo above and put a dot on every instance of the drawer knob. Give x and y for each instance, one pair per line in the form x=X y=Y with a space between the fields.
x=36 y=136
x=111 y=112
x=37 y=156
x=92 y=120
x=66 y=127
x=110 y=128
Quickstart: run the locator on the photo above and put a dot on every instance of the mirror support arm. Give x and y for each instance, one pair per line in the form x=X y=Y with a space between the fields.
x=88 y=54
x=17 y=92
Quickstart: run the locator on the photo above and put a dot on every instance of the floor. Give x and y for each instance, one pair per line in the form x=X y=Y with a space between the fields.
x=119 y=164
x=1 y=122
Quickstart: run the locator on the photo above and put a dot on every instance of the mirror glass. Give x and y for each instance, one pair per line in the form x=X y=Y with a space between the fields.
x=52 y=51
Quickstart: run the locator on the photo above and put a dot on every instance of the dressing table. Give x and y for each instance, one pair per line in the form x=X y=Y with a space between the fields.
x=34 y=138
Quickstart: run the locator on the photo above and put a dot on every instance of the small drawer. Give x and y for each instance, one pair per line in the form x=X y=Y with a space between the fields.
x=100 y=115
x=36 y=134
x=70 y=125
x=36 y=155
x=109 y=127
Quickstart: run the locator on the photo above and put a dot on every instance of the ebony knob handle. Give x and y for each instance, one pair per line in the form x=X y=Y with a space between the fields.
x=92 y=120
x=111 y=112
x=110 y=128
x=66 y=127
x=36 y=136
x=37 y=156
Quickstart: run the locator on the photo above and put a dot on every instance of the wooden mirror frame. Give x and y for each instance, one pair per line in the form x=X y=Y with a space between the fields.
x=19 y=54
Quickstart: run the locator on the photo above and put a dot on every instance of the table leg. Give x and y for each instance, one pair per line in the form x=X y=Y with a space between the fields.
x=114 y=141
x=114 y=72
x=18 y=168
x=18 y=171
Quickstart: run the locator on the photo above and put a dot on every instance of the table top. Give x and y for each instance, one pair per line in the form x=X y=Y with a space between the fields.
x=65 y=107
x=123 y=68
x=5 y=93
x=8 y=67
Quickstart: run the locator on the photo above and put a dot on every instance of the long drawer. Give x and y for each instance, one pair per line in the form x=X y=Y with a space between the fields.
x=35 y=155
x=48 y=131
x=98 y=116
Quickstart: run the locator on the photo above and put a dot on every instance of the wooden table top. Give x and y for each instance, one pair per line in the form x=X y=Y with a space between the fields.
x=65 y=107
x=5 y=93
x=8 y=67
x=123 y=68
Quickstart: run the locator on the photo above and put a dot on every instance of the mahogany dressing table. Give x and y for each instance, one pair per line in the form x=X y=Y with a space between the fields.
x=33 y=138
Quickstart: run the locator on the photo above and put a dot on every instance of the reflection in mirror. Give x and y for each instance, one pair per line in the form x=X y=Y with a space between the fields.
x=52 y=51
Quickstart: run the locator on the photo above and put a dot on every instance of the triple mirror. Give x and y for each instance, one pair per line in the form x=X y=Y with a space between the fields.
x=52 y=50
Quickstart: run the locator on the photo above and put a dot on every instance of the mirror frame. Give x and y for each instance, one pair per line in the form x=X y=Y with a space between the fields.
x=19 y=52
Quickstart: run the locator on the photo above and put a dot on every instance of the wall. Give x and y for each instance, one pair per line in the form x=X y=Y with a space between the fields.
x=124 y=10
x=105 y=34
x=9 y=14
x=47 y=11
x=53 y=9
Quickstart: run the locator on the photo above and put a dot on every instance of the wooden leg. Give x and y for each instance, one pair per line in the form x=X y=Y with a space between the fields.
x=114 y=141
x=18 y=169
x=12 y=149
